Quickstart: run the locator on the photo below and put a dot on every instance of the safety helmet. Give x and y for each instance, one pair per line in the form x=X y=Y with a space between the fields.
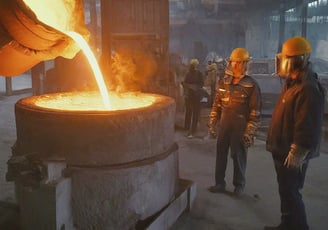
x=294 y=56
x=296 y=46
x=237 y=63
x=239 y=54
x=194 y=62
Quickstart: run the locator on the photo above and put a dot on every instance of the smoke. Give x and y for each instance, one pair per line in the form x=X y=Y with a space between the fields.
x=322 y=49
x=131 y=70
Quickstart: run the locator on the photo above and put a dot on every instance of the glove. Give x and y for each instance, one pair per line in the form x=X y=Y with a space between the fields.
x=295 y=157
x=248 y=140
x=212 y=124
x=212 y=127
x=211 y=131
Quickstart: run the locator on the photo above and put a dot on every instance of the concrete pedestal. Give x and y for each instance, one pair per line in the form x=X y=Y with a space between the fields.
x=47 y=206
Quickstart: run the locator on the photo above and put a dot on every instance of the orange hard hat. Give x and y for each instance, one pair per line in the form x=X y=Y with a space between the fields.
x=296 y=46
x=239 y=54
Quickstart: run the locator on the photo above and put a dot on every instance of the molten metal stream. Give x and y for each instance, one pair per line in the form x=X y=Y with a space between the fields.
x=58 y=14
x=94 y=65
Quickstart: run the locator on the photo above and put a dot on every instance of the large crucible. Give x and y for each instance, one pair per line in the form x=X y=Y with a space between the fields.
x=116 y=167
x=123 y=163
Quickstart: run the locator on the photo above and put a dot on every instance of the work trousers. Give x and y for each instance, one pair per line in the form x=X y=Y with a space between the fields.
x=290 y=183
x=230 y=135
x=192 y=113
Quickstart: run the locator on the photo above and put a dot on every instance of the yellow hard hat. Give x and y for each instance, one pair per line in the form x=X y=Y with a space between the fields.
x=239 y=54
x=194 y=62
x=296 y=46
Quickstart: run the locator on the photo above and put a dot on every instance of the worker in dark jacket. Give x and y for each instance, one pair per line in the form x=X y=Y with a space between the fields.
x=295 y=129
x=236 y=109
x=193 y=92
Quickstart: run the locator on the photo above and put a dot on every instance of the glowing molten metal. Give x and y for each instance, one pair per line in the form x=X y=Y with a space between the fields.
x=59 y=15
x=92 y=101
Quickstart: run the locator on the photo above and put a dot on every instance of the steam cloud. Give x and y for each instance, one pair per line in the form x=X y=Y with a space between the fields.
x=131 y=70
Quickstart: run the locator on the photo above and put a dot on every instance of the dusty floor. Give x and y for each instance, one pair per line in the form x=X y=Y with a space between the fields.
x=257 y=207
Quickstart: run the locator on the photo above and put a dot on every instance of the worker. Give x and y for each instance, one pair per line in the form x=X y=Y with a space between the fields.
x=236 y=111
x=211 y=80
x=295 y=131
x=193 y=92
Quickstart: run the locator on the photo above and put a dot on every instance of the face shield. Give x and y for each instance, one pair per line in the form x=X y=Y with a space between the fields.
x=286 y=65
x=236 y=68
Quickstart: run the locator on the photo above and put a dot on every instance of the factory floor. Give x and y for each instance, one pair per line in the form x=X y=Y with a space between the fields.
x=258 y=206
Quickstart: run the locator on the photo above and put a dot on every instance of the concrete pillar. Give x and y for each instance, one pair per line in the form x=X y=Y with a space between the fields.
x=281 y=27
x=304 y=17
x=9 y=88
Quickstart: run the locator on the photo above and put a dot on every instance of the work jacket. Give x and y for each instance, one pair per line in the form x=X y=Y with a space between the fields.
x=235 y=101
x=297 y=117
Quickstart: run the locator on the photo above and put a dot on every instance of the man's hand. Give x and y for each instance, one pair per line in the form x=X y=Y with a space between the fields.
x=248 y=140
x=211 y=130
x=212 y=124
x=295 y=157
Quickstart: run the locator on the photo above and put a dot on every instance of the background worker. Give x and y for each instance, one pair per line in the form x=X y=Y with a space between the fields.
x=295 y=130
x=193 y=93
x=236 y=109
x=211 y=80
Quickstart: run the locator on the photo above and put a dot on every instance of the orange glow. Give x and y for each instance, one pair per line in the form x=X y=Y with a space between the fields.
x=94 y=65
x=55 y=13
x=59 y=15
x=91 y=101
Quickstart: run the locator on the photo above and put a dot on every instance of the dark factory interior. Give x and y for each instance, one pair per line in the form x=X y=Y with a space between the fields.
x=92 y=106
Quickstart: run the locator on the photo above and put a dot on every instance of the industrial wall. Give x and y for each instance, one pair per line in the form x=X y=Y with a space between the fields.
x=259 y=34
